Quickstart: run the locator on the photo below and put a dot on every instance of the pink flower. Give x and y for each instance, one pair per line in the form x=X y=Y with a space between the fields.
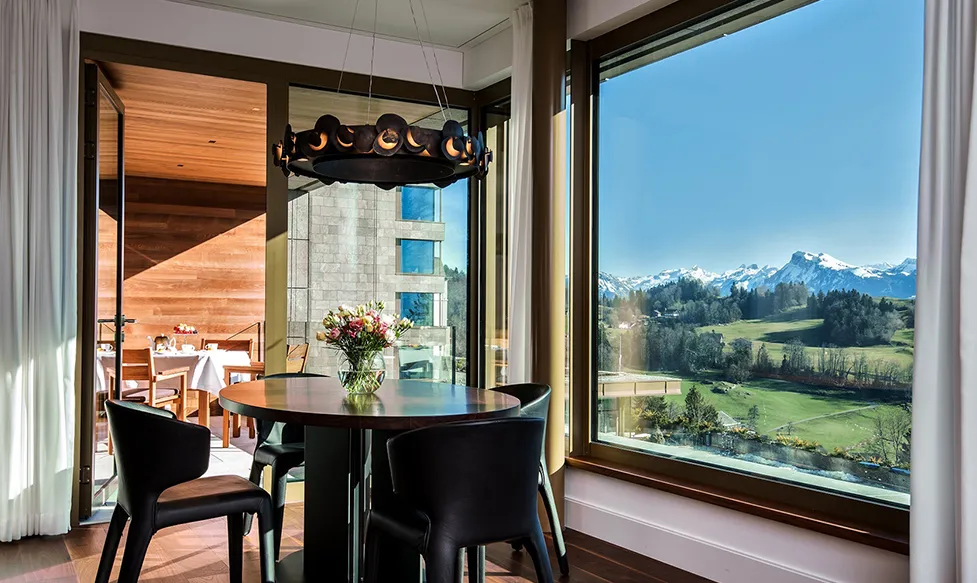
x=334 y=334
x=356 y=324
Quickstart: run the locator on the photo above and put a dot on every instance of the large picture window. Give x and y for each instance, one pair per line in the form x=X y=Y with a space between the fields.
x=756 y=203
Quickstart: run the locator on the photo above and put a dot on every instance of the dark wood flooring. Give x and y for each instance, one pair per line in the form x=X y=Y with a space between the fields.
x=197 y=553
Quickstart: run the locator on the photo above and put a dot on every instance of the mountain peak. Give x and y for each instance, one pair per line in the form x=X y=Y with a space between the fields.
x=819 y=271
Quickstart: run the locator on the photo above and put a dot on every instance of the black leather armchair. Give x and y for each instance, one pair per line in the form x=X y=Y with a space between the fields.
x=281 y=446
x=534 y=401
x=462 y=485
x=160 y=461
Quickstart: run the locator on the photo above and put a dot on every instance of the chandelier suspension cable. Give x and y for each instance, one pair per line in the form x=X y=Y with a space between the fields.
x=427 y=64
x=437 y=65
x=352 y=23
x=373 y=53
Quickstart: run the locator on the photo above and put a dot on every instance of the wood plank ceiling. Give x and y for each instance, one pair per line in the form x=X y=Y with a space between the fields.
x=183 y=126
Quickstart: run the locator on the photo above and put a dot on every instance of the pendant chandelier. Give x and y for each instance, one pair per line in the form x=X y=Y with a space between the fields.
x=388 y=153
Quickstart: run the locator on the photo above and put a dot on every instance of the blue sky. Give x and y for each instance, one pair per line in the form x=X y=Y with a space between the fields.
x=801 y=132
x=454 y=213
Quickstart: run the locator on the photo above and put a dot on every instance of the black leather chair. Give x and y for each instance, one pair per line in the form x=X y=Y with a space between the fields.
x=160 y=461
x=534 y=400
x=281 y=446
x=462 y=485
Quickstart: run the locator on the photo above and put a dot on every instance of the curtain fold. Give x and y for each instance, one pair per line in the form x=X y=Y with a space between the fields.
x=39 y=63
x=520 y=197
x=944 y=444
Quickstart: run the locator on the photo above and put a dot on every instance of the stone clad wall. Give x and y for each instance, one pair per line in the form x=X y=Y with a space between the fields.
x=343 y=250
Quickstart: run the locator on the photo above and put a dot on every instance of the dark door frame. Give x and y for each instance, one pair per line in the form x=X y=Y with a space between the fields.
x=94 y=87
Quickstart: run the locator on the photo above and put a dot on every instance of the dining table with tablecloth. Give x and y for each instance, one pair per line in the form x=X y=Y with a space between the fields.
x=206 y=367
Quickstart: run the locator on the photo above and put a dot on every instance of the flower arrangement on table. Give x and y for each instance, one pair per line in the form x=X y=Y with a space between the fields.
x=361 y=333
x=184 y=329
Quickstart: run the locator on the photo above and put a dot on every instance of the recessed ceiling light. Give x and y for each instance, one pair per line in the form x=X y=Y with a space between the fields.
x=255 y=109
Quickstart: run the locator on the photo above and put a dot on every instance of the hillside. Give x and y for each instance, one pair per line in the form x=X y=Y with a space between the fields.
x=776 y=330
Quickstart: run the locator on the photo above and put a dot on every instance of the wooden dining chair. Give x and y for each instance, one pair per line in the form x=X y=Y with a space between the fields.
x=298 y=355
x=296 y=359
x=233 y=345
x=139 y=365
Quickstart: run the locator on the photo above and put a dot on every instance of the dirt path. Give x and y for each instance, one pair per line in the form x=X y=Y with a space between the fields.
x=775 y=429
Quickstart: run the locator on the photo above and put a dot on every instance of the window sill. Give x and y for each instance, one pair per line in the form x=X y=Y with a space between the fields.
x=873 y=537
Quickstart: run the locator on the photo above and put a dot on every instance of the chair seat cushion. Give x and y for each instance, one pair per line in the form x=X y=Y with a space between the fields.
x=208 y=497
x=405 y=524
x=142 y=395
x=284 y=455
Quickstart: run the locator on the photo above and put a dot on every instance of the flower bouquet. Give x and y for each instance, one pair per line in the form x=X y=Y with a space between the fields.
x=361 y=333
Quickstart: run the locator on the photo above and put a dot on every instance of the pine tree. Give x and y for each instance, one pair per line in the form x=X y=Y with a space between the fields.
x=753 y=418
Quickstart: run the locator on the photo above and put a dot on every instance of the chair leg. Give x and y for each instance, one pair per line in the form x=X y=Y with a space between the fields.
x=235 y=546
x=280 y=482
x=476 y=564
x=137 y=544
x=266 y=541
x=536 y=545
x=371 y=560
x=441 y=562
x=226 y=429
x=257 y=472
x=111 y=546
x=251 y=431
x=546 y=491
x=236 y=422
x=181 y=403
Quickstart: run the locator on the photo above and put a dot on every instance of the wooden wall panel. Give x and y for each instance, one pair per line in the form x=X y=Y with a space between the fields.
x=194 y=254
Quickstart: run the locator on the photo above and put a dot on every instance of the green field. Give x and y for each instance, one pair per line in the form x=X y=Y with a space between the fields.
x=776 y=330
x=833 y=417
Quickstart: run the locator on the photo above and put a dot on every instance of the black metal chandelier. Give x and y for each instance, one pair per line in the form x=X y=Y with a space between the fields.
x=389 y=153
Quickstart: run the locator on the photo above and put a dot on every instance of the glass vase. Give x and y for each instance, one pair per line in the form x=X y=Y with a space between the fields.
x=362 y=375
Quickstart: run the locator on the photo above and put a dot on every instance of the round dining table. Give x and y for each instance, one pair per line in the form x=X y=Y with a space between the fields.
x=346 y=467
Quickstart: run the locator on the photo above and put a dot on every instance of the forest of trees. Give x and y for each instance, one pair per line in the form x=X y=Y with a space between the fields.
x=457 y=308
x=662 y=327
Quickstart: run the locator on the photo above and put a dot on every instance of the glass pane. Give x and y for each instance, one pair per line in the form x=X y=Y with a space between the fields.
x=352 y=243
x=420 y=203
x=107 y=280
x=756 y=248
x=418 y=256
x=496 y=341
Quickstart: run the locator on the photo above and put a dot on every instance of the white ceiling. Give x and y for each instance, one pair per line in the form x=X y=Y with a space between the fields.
x=452 y=23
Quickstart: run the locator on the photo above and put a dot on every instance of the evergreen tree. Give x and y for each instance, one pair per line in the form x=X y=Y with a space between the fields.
x=763 y=363
x=753 y=418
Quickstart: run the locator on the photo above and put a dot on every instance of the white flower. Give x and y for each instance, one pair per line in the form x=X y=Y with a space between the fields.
x=390 y=336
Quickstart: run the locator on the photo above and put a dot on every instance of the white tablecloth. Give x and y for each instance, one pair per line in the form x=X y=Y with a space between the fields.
x=206 y=367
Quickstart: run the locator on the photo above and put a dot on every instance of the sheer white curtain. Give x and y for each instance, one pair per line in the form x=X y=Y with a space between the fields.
x=944 y=476
x=38 y=169
x=520 y=196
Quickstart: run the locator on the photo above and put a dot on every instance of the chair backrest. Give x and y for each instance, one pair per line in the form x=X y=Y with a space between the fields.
x=534 y=398
x=476 y=480
x=237 y=344
x=297 y=356
x=275 y=432
x=138 y=364
x=153 y=451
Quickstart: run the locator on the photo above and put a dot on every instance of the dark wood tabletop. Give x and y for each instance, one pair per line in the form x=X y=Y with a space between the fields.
x=398 y=404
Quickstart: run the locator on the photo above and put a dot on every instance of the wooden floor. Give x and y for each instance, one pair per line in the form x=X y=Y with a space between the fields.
x=198 y=554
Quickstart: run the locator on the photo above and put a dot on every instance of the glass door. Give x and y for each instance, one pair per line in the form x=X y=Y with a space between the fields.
x=104 y=322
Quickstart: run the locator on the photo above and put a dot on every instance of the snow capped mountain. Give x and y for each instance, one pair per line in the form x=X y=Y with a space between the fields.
x=820 y=271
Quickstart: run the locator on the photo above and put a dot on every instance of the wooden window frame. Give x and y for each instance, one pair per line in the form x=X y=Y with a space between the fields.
x=871 y=523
